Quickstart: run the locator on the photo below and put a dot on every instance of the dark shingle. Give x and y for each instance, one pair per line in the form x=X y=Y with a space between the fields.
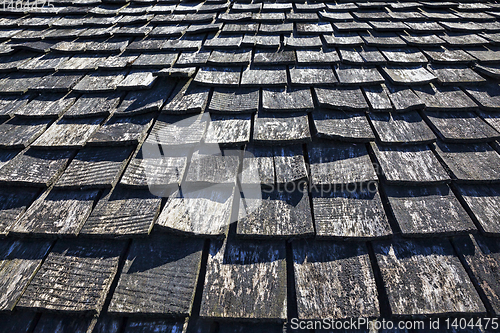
x=271 y=128
x=403 y=128
x=348 y=99
x=283 y=100
x=234 y=100
x=289 y=164
x=482 y=201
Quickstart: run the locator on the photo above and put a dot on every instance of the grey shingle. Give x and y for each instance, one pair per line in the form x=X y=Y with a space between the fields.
x=282 y=100
x=482 y=201
x=347 y=99
x=270 y=128
x=340 y=125
x=401 y=128
x=234 y=100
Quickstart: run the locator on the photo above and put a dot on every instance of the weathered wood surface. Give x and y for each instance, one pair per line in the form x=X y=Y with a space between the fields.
x=35 y=167
x=425 y=278
x=347 y=99
x=319 y=57
x=56 y=213
x=218 y=76
x=350 y=213
x=49 y=323
x=123 y=213
x=8 y=104
x=260 y=77
x=209 y=165
x=404 y=99
x=459 y=127
x=205 y=212
x=95 y=168
x=99 y=82
x=234 y=100
x=456 y=76
x=172 y=130
x=234 y=57
x=307 y=76
x=340 y=125
x=152 y=326
x=51 y=105
x=75 y=277
x=401 y=128
x=482 y=256
x=432 y=210
x=483 y=201
x=123 y=131
x=245 y=279
x=13 y=203
x=334 y=280
x=408 y=75
x=19 y=261
x=265 y=57
x=378 y=97
x=159 y=277
x=287 y=100
x=20 y=133
x=487 y=97
x=272 y=128
x=68 y=133
x=228 y=130
x=8 y=155
x=89 y=105
x=340 y=163
x=277 y=213
x=289 y=164
x=156 y=171
x=349 y=75
x=155 y=60
x=409 y=164
x=136 y=102
x=437 y=98
x=405 y=56
x=189 y=99
x=258 y=166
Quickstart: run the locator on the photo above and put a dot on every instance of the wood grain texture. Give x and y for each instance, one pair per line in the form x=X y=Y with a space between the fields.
x=287 y=100
x=123 y=213
x=438 y=98
x=20 y=260
x=68 y=133
x=483 y=201
x=341 y=125
x=159 y=277
x=75 y=277
x=401 y=128
x=258 y=166
x=245 y=279
x=234 y=100
x=409 y=164
x=476 y=163
x=334 y=280
x=13 y=203
x=35 y=167
x=171 y=130
x=289 y=164
x=137 y=102
x=340 y=163
x=205 y=211
x=421 y=211
x=425 y=278
x=347 y=99
x=482 y=256
x=189 y=99
x=122 y=131
x=210 y=165
x=228 y=130
x=56 y=213
x=378 y=97
x=272 y=128
x=95 y=168
x=19 y=133
x=347 y=213
x=279 y=214
x=463 y=127
x=88 y=105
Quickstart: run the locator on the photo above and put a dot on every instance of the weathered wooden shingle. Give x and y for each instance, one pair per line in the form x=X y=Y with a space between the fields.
x=342 y=125
x=228 y=130
x=89 y=105
x=19 y=261
x=277 y=213
x=282 y=100
x=349 y=212
x=422 y=210
x=47 y=105
x=348 y=99
x=401 y=128
x=460 y=127
x=172 y=130
x=35 y=167
x=312 y=76
x=258 y=166
x=75 y=277
x=272 y=76
x=478 y=163
x=205 y=212
x=13 y=203
x=209 y=165
x=425 y=278
x=487 y=97
x=340 y=163
x=159 y=277
x=378 y=97
x=234 y=100
x=272 y=128
x=190 y=98
x=100 y=81
x=349 y=75
x=56 y=213
x=19 y=132
x=456 y=75
x=482 y=257
x=213 y=76
x=334 y=280
x=123 y=213
x=136 y=102
x=483 y=201
x=404 y=99
x=252 y=276
x=289 y=164
x=122 y=131
x=409 y=164
x=95 y=168
x=408 y=75
x=68 y=133
x=267 y=57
